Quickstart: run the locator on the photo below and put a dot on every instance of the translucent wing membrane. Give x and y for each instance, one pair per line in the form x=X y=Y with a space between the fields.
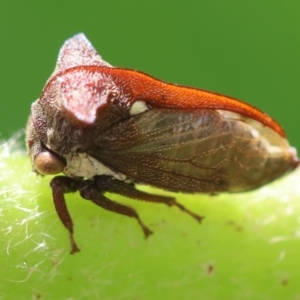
x=194 y=150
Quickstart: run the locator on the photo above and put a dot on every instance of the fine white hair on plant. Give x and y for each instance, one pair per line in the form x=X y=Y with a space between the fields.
x=21 y=230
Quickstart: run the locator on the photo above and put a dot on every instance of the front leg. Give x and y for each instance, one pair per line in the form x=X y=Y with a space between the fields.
x=61 y=185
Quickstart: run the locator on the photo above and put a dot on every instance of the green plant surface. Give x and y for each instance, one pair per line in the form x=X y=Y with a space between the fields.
x=247 y=247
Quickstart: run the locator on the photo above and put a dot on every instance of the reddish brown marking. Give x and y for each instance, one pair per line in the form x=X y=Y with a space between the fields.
x=210 y=269
x=161 y=94
x=158 y=93
x=234 y=225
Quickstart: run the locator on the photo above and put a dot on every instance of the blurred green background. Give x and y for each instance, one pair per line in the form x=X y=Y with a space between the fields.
x=246 y=49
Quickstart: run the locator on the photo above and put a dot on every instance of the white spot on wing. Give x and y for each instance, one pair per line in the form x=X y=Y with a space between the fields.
x=138 y=107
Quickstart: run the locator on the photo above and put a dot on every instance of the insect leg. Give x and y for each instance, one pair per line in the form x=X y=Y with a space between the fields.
x=89 y=191
x=109 y=184
x=61 y=185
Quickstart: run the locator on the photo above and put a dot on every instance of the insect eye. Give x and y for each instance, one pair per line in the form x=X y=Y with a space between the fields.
x=48 y=164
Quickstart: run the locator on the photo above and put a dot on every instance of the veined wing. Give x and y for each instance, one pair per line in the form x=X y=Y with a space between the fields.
x=194 y=150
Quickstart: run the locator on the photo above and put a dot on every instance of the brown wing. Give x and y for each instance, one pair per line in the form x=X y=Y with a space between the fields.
x=194 y=150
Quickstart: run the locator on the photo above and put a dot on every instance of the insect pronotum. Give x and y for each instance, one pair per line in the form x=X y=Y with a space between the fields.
x=108 y=128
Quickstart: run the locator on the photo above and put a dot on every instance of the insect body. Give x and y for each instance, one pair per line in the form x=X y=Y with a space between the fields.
x=108 y=128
